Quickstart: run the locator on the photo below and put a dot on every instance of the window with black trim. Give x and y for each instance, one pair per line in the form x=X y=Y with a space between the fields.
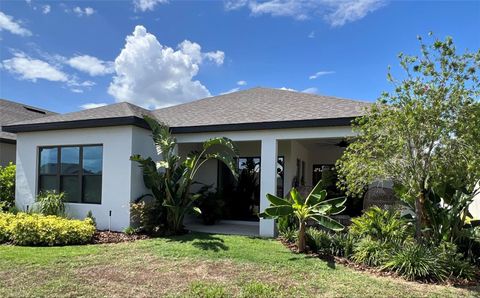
x=74 y=170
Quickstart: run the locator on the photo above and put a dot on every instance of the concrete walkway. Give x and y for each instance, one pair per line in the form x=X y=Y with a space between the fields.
x=229 y=227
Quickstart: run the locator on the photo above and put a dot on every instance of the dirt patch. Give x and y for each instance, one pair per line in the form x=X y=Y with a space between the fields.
x=102 y=237
x=153 y=276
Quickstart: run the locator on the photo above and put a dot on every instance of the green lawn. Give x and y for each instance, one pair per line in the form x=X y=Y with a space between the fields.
x=197 y=265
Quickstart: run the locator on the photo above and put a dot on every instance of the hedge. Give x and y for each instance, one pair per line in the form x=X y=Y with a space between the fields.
x=40 y=230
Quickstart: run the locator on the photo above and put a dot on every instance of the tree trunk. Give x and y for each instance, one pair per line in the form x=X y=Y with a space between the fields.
x=301 y=237
x=420 y=220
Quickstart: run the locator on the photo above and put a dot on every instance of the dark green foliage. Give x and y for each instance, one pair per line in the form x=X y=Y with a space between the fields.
x=383 y=225
x=51 y=203
x=289 y=234
x=454 y=263
x=319 y=241
x=90 y=215
x=130 y=230
x=343 y=244
x=7 y=187
x=210 y=204
x=148 y=217
x=371 y=252
x=417 y=262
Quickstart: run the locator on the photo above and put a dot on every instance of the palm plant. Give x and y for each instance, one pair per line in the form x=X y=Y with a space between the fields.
x=170 y=178
x=315 y=207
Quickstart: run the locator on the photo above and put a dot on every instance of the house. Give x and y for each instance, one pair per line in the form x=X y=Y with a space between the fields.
x=11 y=112
x=290 y=136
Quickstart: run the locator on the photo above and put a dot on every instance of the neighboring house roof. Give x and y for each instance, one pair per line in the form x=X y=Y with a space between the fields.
x=11 y=112
x=257 y=108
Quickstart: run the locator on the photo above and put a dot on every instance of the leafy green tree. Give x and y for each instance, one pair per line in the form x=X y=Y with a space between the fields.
x=315 y=207
x=7 y=186
x=425 y=133
x=171 y=177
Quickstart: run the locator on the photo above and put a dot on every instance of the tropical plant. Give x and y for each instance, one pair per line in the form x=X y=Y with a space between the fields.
x=343 y=244
x=423 y=134
x=314 y=207
x=170 y=178
x=318 y=241
x=51 y=203
x=371 y=252
x=7 y=187
x=417 y=262
x=210 y=204
x=379 y=224
x=288 y=234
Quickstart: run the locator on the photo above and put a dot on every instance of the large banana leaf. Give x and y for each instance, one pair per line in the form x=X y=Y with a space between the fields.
x=276 y=201
x=222 y=141
x=315 y=198
x=327 y=222
x=278 y=211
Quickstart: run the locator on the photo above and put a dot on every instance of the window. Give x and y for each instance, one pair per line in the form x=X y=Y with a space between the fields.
x=74 y=170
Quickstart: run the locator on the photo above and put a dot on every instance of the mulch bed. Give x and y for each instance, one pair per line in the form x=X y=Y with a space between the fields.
x=376 y=271
x=102 y=237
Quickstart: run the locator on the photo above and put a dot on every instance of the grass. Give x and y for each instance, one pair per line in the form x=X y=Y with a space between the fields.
x=195 y=265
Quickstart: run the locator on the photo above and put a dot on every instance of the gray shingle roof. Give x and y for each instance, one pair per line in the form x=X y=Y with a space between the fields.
x=117 y=110
x=252 y=106
x=11 y=112
x=258 y=105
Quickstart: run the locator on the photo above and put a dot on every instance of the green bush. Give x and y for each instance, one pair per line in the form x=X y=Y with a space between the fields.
x=371 y=252
x=289 y=234
x=7 y=187
x=417 y=262
x=454 y=263
x=41 y=230
x=319 y=241
x=51 y=203
x=343 y=244
x=384 y=225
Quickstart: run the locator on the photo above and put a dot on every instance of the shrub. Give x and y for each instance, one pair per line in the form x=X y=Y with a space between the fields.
x=417 y=262
x=147 y=216
x=5 y=220
x=7 y=187
x=384 y=225
x=90 y=215
x=343 y=244
x=319 y=241
x=371 y=252
x=289 y=234
x=37 y=229
x=130 y=230
x=51 y=203
x=454 y=263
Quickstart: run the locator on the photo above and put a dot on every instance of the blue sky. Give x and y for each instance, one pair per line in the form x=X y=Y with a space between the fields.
x=65 y=55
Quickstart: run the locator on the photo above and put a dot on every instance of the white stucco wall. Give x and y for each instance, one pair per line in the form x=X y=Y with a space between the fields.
x=475 y=206
x=7 y=153
x=119 y=187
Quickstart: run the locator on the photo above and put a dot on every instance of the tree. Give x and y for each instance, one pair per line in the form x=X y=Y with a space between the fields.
x=171 y=177
x=425 y=133
x=315 y=207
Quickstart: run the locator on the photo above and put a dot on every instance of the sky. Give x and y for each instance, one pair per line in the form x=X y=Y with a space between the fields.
x=66 y=56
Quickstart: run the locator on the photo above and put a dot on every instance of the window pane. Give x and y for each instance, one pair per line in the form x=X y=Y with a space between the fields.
x=48 y=160
x=70 y=186
x=92 y=159
x=47 y=183
x=92 y=189
x=70 y=159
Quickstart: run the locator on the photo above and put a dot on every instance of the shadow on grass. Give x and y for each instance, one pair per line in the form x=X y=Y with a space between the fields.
x=202 y=241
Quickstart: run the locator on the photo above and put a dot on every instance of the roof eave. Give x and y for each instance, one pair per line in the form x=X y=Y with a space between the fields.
x=343 y=121
x=86 y=123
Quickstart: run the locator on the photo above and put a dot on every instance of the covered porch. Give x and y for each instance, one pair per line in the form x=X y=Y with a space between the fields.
x=277 y=160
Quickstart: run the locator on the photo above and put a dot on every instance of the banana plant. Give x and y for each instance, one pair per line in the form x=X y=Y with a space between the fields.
x=314 y=207
x=171 y=177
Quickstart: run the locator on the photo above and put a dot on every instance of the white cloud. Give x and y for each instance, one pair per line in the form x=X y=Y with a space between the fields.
x=311 y=90
x=46 y=9
x=216 y=57
x=9 y=24
x=144 y=5
x=311 y=35
x=31 y=69
x=152 y=75
x=288 y=89
x=91 y=65
x=87 y=11
x=230 y=91
x=320 y=73
x=335 y=12
x=92 y=105
x=242 y=83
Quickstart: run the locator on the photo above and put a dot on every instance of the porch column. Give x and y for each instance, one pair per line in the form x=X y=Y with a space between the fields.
x=268 y=182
